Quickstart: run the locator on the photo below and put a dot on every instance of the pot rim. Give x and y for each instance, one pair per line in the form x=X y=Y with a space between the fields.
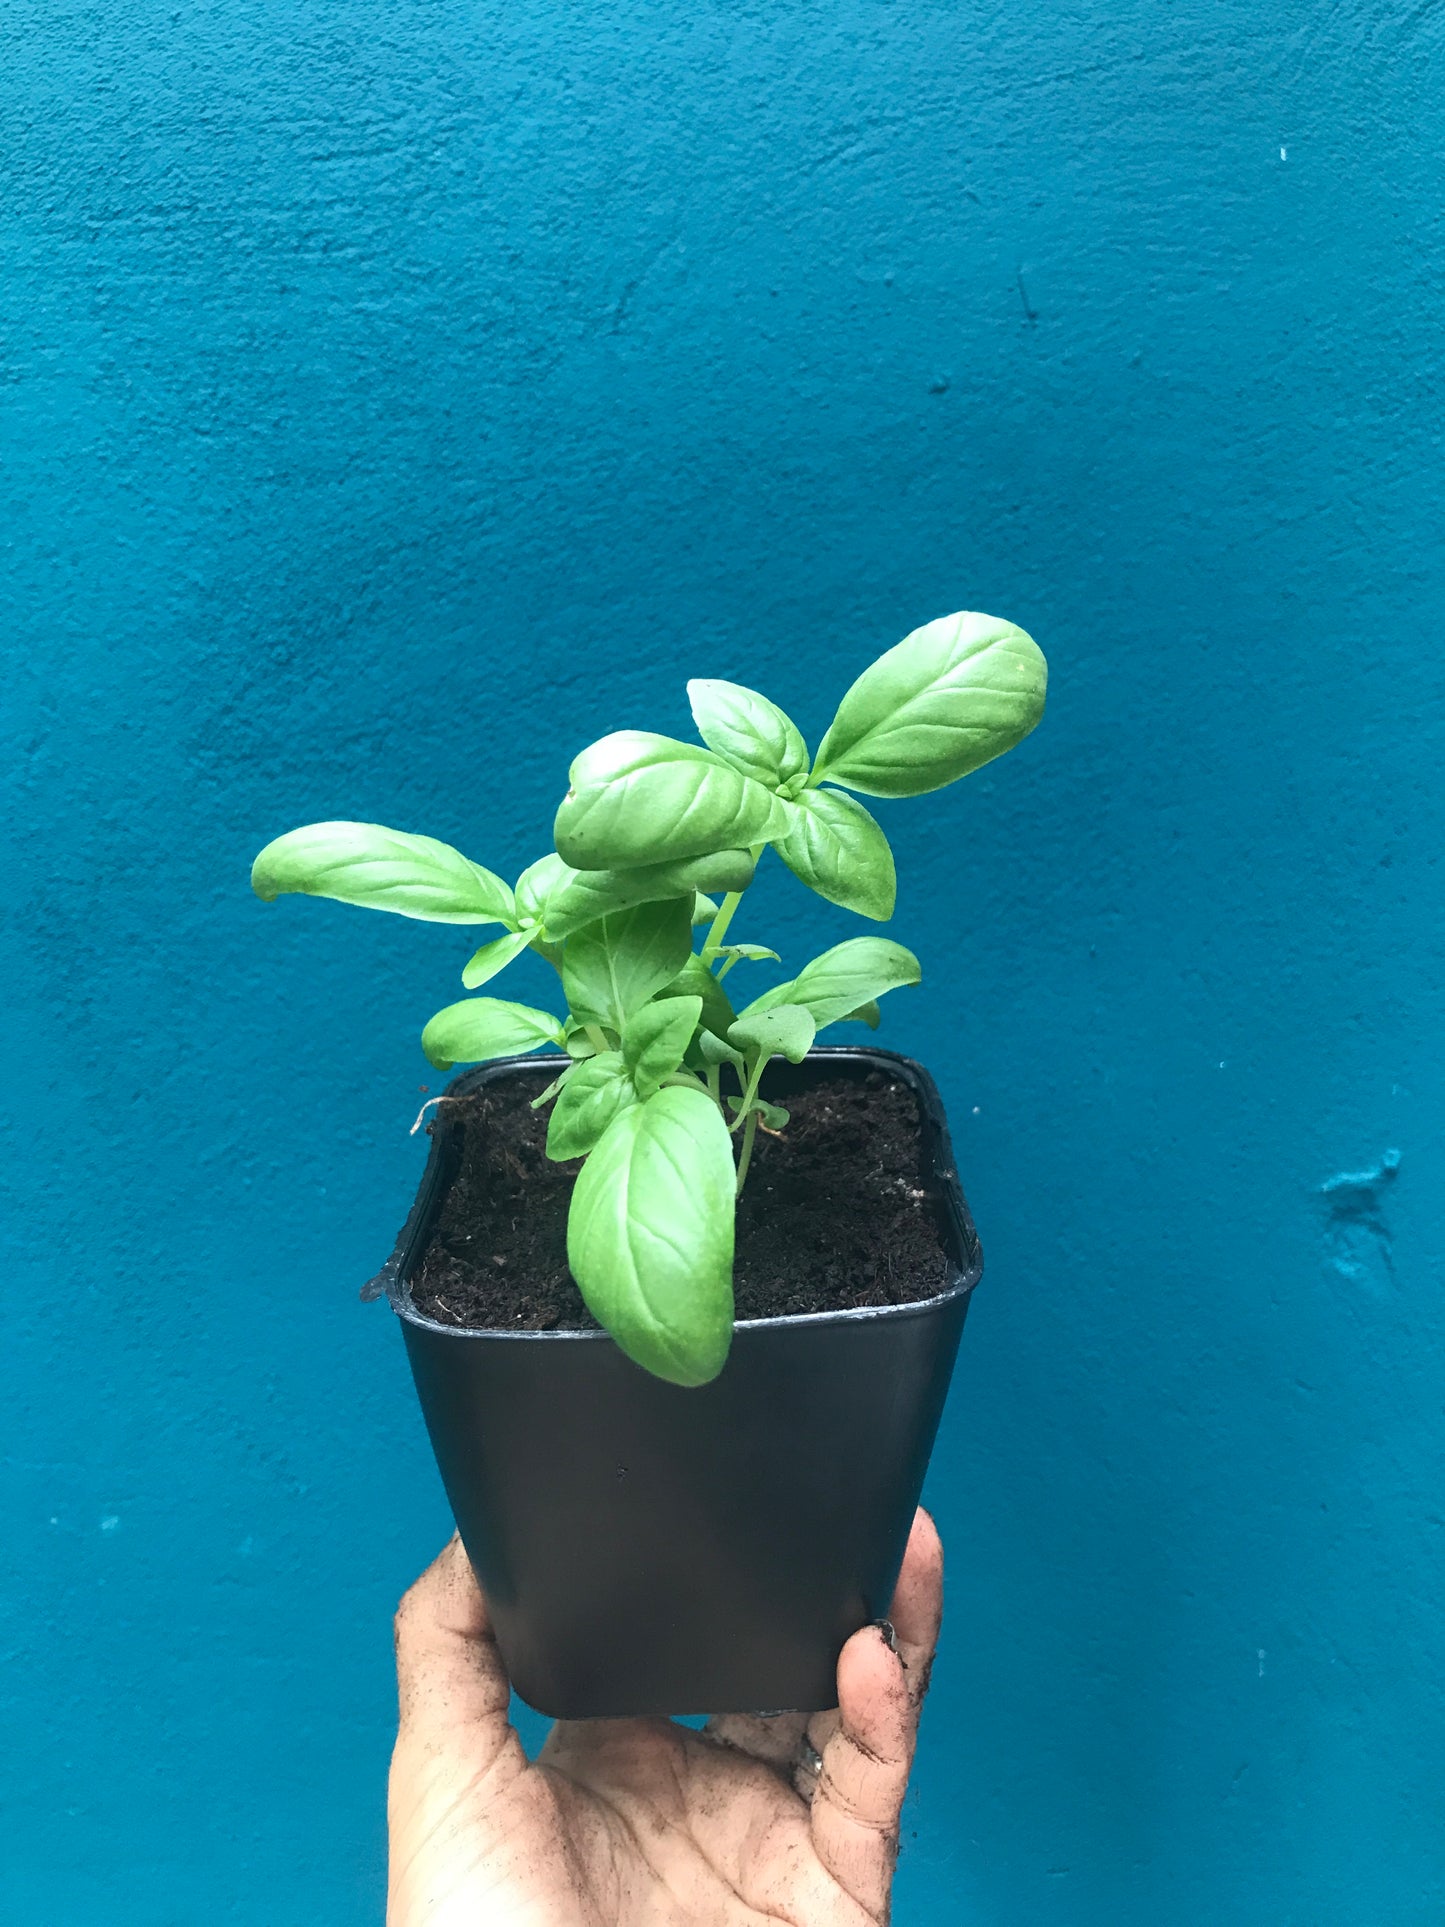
x=393 y=1281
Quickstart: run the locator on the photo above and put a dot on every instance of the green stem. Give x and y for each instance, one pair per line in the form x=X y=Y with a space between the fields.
x=726 y=968
x=750 y=1089
x=714 y=1084
x=687 y=1082
x=725 y=914
x=598 y=1036
x=747 y=1155
x=720 y=923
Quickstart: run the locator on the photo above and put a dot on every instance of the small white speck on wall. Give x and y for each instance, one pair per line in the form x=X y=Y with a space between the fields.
x=1283 y=156
x=1260 y=1653
x=109 y=1524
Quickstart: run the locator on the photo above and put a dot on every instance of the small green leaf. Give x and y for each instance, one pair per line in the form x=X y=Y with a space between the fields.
x=783 y=1030
x=837 y=849
x=479 y=1028
x=494 y=957
x=868 y=1014
x=381 y=869
x=538 y=884
x=717 y=1050
x=752 y=733
x=595 y=1093
x=612 y=967
x=773 y=1115
x=636 y=798
x=696 y=980
x=551 y=1090
x=650 y=1235
x=947 y=699
x=704 y=909
x=753 y=952
x=570 y=899
x=851 y=974
x=656 y=1038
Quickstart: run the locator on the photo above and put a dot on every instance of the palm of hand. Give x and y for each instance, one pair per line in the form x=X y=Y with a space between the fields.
x=643 y=1823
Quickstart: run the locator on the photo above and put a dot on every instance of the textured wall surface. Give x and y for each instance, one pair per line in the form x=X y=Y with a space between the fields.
x=394 y=397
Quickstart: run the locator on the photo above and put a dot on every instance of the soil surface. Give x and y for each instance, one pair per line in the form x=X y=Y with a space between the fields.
x=835 y=1213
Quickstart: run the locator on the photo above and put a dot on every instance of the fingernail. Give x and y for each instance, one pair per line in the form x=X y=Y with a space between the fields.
x=890 y=1638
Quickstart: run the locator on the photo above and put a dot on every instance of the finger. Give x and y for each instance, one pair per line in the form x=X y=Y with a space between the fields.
x=773 y=1738
x=914 y=1617
x=864 y=1771
x=917 y=1608
x=451 y=1683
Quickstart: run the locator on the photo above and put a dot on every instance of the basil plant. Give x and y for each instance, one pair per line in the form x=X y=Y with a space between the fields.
x=659 y=1092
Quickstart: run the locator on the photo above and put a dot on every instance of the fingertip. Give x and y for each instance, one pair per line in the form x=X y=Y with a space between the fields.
x=873 y=1689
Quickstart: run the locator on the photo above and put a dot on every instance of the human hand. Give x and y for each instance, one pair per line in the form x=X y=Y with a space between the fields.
x=644 y=1823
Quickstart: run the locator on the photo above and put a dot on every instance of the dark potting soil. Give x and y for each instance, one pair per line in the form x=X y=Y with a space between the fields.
x=835 y=1213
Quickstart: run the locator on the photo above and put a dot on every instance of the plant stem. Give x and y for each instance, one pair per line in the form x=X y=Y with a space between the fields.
x=750 y=1089
x=747 y=1154
x=720 y=925
x=687 y=1082
x=596 y=1033
x=714 y=1084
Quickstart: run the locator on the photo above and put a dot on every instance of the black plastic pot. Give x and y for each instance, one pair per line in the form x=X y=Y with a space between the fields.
x=650 y=1549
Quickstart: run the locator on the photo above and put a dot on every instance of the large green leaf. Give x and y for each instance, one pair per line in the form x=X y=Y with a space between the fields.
x=479 y=1028
x=637 y=798
x=381 y=869
x=696 y=980
x=656 y=1038
x=948 y=698
x=596 y=1092
x=611 y=967
x=650 y=1235
x=851 y=974
x=782 y=1030
x=835 y=847
x=564 y=899
x=752 y=733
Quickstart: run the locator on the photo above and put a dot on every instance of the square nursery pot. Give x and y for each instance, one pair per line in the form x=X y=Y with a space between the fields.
x=646 y=1548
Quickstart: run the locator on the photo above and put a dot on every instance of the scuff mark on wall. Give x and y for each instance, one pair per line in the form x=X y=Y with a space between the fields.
x=1358 y=1242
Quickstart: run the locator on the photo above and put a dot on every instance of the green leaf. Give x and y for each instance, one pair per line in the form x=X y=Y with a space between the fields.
x=612 y=967
x=948 y=698
x=783 y=1030
x=551 y=1090
x=717 y=1050
x=752 y=952
x=479 y=1028
x=834 y=985
x=837 y=849
x=752 y=733
x=381 y=869
x=704 y=909
x=773 y=1115
x=564 y=899
x=650 y=1235
x=538 y=884
x=636 y=798
x=493 y=957
x=868 y=1014
x=696 y=980
x=656 y=1038
x=595 y=1093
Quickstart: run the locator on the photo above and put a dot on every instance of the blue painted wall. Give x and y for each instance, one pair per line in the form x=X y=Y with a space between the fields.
x=395 y=397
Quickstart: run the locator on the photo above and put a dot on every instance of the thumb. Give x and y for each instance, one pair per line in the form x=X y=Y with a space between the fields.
x=452 y=1688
